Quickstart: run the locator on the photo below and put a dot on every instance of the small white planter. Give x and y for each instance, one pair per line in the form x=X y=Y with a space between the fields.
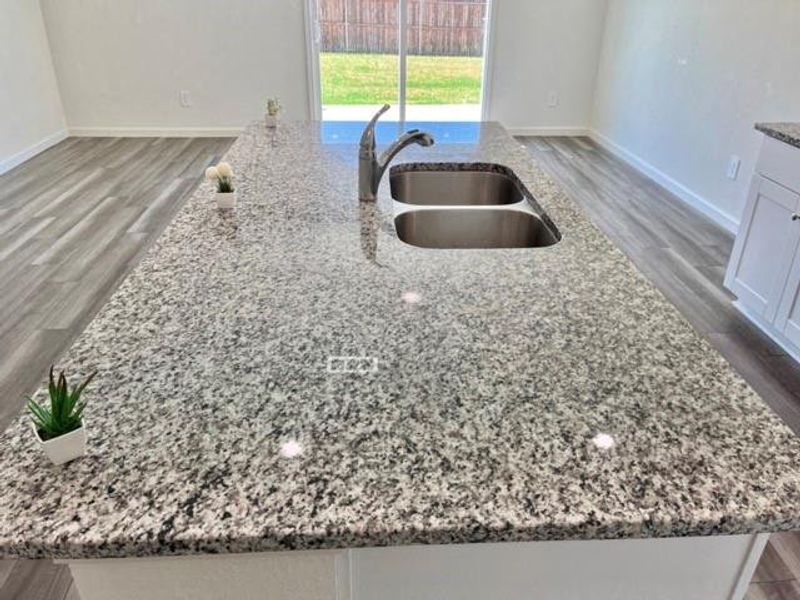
x=64 y=448
x=226 y=199
x=271 y=121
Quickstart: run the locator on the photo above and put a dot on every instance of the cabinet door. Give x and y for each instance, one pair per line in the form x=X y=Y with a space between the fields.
x=787 y=320
x=765 y=247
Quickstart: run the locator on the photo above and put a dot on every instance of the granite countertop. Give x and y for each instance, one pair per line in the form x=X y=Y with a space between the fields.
x=785 y=132
x=517 y=395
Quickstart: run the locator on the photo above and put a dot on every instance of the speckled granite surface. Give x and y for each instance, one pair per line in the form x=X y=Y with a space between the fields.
x=216 y=424
x=785 y=132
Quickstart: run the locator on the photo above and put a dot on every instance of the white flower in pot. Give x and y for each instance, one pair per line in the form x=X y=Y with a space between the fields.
x=59 y=428
x=222 y=178
x=273 y=112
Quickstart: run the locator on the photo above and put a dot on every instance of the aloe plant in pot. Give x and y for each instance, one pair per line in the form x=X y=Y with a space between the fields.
x=59 y=427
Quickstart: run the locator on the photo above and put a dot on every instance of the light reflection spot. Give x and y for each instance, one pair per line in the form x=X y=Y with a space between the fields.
x=604 y=441
x=291 y=449
x=411 y=297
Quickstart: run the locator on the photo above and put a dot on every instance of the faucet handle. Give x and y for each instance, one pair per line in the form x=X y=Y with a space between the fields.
x=368 y=137
x=380 y=112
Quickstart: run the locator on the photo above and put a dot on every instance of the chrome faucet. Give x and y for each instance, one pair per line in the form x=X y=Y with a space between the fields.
x=372 y=167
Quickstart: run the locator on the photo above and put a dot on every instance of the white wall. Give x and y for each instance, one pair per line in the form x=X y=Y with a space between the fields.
x=32 y=118
x=543 y=46
x=681 y=83
x=122 y=63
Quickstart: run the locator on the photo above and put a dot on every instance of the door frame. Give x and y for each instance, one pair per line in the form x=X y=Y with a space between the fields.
x=313 y=35
x=314 y=86
x=489 y=33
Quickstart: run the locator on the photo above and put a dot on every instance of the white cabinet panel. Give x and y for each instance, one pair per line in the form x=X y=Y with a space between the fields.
x=788 y=318
x=692 y=568
x=665 y=569
x=765 y=247
x=310 y=575
x=780 y=162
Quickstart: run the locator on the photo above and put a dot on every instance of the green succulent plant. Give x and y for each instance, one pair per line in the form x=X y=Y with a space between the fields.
x=273 y=107
x=65 y=413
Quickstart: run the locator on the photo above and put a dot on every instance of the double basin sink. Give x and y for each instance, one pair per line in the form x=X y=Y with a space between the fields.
x=467 y=205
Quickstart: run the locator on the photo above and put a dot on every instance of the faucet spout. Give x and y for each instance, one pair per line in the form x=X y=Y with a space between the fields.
x=368 y=136
x=415 y=136
x=371 y=167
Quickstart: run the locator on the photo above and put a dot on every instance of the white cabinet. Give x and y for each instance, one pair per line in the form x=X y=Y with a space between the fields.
x=690 y=568
x=787 y=320
x=765 y=247
x=764 y=271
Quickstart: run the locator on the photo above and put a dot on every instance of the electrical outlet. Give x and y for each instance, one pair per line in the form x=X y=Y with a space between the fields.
x=734 y=165
x=552 y=99
x=185 y=98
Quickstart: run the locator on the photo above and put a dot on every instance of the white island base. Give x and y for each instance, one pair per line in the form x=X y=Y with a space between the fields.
x=709 y=568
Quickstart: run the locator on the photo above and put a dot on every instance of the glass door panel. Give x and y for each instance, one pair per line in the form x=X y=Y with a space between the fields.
x=423 y=57
x=358 y=58
x=444 y=59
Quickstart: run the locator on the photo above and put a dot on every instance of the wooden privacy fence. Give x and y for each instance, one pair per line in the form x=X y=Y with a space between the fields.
x=434 y=27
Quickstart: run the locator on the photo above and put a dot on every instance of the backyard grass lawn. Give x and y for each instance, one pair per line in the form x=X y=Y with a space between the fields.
x=372 y=79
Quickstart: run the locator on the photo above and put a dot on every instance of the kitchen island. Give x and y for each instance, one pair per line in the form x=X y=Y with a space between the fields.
x=537 y=419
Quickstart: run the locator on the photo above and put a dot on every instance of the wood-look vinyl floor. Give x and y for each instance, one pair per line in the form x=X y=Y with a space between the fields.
x=684 y=254
x=73 y=221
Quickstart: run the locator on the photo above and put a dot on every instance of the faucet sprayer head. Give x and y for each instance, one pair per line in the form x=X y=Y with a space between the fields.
x=426 y=139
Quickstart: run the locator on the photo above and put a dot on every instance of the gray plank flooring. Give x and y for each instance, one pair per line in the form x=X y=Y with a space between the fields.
x=73 y=222
x=778 y=574
x=37 y=580
x=75 y=219
x=684 y=255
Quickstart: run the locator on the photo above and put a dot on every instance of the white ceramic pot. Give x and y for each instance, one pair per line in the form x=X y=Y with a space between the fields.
x=271 y=120
x=226 y=199
x=65 y=447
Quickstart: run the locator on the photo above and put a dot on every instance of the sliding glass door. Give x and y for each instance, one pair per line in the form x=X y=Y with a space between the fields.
x=444 y=59
x=424 y=57
x=359 y=57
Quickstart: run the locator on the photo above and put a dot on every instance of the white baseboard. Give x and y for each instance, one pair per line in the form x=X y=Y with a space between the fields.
x=691 y=198
x=548 y=131
x=768 y=330
x=31 y=151
x=155 y=132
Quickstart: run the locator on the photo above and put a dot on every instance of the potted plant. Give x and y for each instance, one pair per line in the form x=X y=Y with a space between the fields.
x=221 y=177
x=273 y=112
x=59 y=427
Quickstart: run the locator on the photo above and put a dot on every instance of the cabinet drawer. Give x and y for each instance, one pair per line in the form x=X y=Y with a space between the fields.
x=780 y=162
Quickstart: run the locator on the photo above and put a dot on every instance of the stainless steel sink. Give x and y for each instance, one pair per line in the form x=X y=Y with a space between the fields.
x=473 y=228
x=467 y=205
x=452 y=187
